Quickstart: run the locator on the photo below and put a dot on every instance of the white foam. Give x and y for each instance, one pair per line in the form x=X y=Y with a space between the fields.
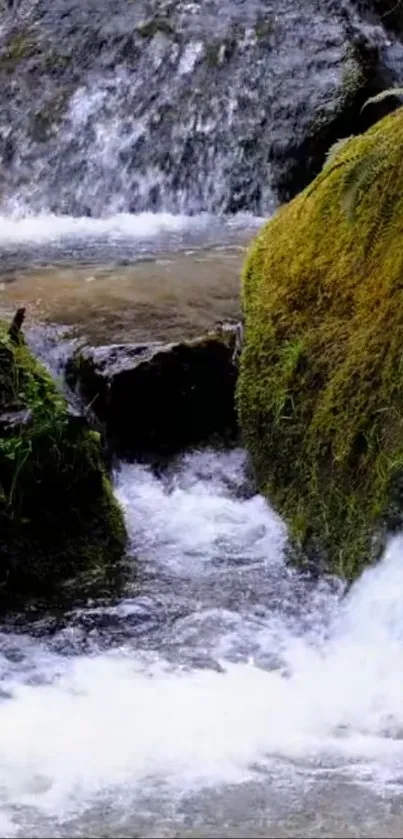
x=195 y=518
x=130 y=720
x=110 y=721
x=46 y=228
x=191 y=54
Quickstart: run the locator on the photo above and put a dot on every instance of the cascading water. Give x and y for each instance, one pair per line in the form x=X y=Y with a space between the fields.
x=167 y=105
x=224 y=695
x=120 y=121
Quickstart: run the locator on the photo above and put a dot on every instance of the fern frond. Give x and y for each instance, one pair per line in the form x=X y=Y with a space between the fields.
x=335 y=148
x=384 y=211
x=359 y=178
x=385 y=94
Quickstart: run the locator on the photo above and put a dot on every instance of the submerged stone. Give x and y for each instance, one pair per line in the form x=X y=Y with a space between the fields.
x=159 y=398
x=58 y=516
x=320 y=392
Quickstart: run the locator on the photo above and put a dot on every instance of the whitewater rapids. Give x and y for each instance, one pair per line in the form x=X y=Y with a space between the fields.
x=221 y=670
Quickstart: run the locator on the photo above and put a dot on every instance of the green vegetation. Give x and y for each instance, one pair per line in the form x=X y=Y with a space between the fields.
x=30 y=45
x=21 y=45
x=320 y=393
x=58 y=515
x=265 y=27
x=157 y=25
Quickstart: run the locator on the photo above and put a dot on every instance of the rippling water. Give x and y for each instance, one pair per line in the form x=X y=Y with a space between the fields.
x=222 y=695
x=126 y=278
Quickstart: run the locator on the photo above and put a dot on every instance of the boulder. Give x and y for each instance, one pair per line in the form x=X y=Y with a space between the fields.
x=159 y=398
x=58 y=516
x=320 y=392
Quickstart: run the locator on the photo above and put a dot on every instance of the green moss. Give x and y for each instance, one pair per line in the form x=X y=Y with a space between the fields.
x=353 y=75
x=213 y=51
x=19 y=46
x=157 y=25
x=58 y=514
x=48 y=117
x=320 y=393
x=31 y=46
x=265 y=27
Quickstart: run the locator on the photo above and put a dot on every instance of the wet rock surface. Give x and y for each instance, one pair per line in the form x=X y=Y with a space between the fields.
x=173 y=106
x=159 y=398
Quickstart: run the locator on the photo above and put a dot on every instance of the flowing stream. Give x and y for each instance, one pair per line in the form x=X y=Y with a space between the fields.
x=223 y=695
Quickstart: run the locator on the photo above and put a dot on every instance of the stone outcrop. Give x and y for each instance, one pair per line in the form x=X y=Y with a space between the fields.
x=157 y=398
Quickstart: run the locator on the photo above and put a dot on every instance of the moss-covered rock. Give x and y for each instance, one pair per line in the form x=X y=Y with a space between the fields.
x=320 y=393
x=58 y=516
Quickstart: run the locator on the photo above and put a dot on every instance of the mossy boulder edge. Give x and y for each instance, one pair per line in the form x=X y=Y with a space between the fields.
x=58 y=515
x=320 y=391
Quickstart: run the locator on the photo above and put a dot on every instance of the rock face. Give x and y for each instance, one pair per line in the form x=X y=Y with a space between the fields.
x=389 y=12
x=364 y=75
x=159 y=398
x=320 y=392
x=58 y=516
x=169 y=105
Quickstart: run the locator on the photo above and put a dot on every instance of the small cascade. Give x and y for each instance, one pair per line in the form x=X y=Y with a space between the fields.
x=170 y=105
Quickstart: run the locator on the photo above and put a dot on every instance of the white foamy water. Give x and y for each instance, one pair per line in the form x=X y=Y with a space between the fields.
x=46 y=228
x=226 y=671
x=123 y=236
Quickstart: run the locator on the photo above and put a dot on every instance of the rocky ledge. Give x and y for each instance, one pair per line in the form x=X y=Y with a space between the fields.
x=160 y=398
